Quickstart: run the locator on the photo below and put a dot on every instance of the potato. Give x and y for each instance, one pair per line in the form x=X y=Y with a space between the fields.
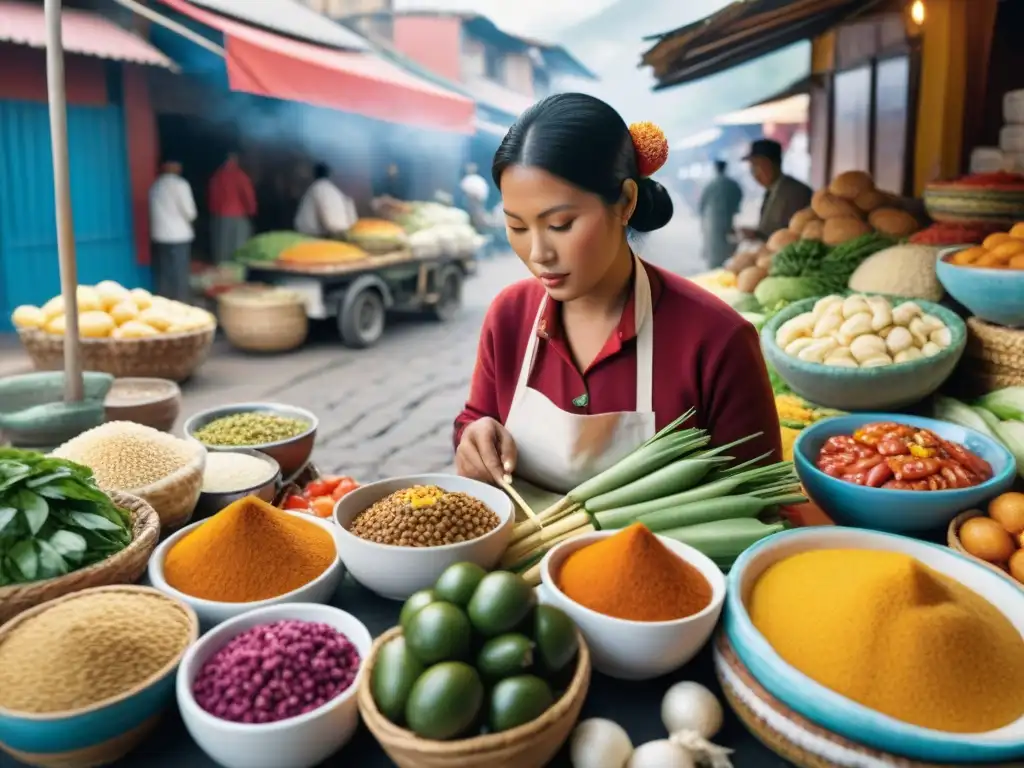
x=801 y=219
x=749 y=278
x=783 y=237
x=841 y=229
x=814 y=230
x=27 y=316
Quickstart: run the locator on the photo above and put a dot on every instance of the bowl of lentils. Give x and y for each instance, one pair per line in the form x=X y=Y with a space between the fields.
x=275 y=686
x=283 y=432
x=397 y=536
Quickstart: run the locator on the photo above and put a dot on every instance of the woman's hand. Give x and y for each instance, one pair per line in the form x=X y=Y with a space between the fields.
x=486 y=452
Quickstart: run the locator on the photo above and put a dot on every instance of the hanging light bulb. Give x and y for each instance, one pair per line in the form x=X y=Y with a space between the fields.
x=917 y=12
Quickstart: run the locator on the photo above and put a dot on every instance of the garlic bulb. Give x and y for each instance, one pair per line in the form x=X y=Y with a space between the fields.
x=660 y=754
x=691 y=707
x=599 y=743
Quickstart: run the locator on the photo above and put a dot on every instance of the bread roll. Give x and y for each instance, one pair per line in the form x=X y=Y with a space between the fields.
x=749 y=278
x=814 y=230
x=780 y=240
x=851 y=185
x=870 y=200
x=741 y=261
x=764 y=261
x=840 y=230
x=893 y=222
x=801 y=219
x=828 y=206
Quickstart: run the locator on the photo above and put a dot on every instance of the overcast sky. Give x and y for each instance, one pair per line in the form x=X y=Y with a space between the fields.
x=520 y=16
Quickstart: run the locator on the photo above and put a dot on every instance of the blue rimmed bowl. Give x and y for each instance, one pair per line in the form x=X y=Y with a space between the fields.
x=884 y=509
x=835 y=712
x=103 y=732
x=994 y=295
x=865 y=389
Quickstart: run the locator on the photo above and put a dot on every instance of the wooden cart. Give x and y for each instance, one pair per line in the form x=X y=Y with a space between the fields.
x=359 y=294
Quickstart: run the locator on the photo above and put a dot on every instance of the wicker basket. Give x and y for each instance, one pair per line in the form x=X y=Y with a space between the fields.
x=173 y=356
x=993 y=359
x=124 y=567
x=953 y=539
x=261 y=325
x=174 y=498
x=535 y=743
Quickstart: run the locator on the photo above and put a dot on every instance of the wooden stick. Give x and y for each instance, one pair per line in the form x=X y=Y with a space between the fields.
x=530 y=514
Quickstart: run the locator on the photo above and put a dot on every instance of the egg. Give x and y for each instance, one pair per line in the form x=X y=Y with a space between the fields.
x=88 y=299
x=660 y=754
x=124 y=311
x=986 y=539
x=133 y=329
x=27 y=316
x=111 y=293
x=143 y=299
x=1016 y=565
x=53 y=307
x=154 y=317
x=55 y=325
x=95 y=325
x=1007 y=509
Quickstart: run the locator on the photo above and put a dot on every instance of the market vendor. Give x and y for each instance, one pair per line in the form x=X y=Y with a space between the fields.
x=783 y=195
x=324 y=210
x=582 y=363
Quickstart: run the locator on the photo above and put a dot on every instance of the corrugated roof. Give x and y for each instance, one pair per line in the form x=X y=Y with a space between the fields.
x=291 y=18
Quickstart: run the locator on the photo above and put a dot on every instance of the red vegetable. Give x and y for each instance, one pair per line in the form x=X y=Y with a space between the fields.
x=296 y=502
x=322 y=506
x=347 y=485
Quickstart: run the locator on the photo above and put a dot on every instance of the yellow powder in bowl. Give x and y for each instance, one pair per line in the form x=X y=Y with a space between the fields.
x=885 y=630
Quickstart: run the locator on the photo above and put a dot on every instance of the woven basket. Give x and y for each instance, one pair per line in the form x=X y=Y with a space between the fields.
x=953 y=539
x=174 y=498
x=125 y=567
x=263 y=326
x=173 y=356
x=533 y=744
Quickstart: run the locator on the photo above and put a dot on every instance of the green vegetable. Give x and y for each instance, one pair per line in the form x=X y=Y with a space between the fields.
x=519 y=700
x=756 y=319
x=557 y=639
x=268 y=246
x=504 y=656
x=439 y=632
x=724 y=539
x=849 y=255
x=956 y=412
x=500 y=604
x=1011 y=434
x=53 y=518
x=1007 y=404
x=445 y=701
x=773 y=290
x=394 y=674
x=987 y=416
x=414 y=604
x=458 y=583
x=798 y=259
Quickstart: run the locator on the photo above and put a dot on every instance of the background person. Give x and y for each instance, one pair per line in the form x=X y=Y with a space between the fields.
x=783 y=195
x=324 y=210
x=172 y=213
x=719 y=203
x=232 y=203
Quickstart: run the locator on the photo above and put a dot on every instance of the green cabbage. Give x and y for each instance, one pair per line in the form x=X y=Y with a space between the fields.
x=773 y=290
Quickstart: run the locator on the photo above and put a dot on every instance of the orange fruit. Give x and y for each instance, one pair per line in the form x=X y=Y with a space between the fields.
x=1006 y=251
x=1017 y=262
x=989 y=260
x=968 y=256
x=1016 y=565
x=1018 y=231
x=997 y=239
x=986 y=539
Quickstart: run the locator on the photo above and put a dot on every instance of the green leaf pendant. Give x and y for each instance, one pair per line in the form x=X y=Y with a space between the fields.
x=581 y=401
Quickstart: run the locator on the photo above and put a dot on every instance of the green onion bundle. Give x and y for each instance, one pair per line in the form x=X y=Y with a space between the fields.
x=675 y=486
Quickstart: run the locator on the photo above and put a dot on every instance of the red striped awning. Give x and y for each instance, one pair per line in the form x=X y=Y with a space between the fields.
x=267 y=64
x=82 y=32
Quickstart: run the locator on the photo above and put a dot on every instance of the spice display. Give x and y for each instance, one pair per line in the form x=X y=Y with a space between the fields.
x=425 y=516
x=226 y=472
x=863 y=332
x=942 y=234
x=276 y=671
x=254 y=428
x=89 y=648
x=125 y=456
x=249 y=551
x=53 y=518
x=998 y=536
x=901 y=457
x=431 y=679
x=633 y=576
x=676 y=487
x=1000 y=250
x=319 y=496
x=886 y=631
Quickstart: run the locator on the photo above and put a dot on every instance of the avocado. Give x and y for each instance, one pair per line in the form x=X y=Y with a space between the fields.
x=439 y=632
x=557 y=639
x=500 y=603
x=394 y=674
x=458 y=583
x=505 y=656
x=518 y=700
x=445 y=701
x=416 y=602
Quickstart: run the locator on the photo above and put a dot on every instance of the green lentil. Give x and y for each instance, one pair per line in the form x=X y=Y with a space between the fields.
x=250 y=429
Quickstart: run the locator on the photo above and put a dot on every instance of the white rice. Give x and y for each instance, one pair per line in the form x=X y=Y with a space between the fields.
x=227 y=472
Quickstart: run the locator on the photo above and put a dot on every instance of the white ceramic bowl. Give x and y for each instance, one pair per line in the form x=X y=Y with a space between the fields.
x=836 y=712
x=636 y=650
x=299 y=742
x=396 y=572
x=211 y=612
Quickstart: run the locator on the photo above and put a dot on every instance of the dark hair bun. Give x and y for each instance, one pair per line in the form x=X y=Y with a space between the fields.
x=653 y=207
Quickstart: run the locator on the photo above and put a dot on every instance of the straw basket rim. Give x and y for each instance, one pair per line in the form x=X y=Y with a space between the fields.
x=391 y=735
x=166 y=669
x=39 y=334
x=953 y=540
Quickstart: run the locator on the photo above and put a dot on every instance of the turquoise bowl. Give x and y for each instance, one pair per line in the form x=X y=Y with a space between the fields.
x=835 y=712
x=101 y=733
x=994 y=295
x=865 y=389
x=883 y=509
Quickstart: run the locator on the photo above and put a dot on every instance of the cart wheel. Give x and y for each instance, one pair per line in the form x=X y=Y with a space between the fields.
x=449 y=283
x=361 y=318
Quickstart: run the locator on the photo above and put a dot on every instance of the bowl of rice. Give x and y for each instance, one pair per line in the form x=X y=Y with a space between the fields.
x=232 y=475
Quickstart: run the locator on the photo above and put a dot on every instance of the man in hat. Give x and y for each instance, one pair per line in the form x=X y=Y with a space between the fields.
x=783 y=195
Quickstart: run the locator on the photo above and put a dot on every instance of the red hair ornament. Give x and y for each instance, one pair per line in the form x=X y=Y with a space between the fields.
x=651 y=147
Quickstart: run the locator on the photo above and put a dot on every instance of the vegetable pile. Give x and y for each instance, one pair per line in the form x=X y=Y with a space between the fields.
x=54 y=519
x=999 y=415
x=268 y=246
x=319 y=495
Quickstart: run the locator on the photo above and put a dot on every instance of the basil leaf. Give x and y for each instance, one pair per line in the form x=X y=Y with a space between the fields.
x=24 y=558
x=33 y=507
x=7 y=514
x=51 y=563
x=93 y=522
x=70 y=488
x=57 y=474
x=71 y=546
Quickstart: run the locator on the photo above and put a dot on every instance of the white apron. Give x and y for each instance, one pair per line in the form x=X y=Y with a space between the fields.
x=558 y=450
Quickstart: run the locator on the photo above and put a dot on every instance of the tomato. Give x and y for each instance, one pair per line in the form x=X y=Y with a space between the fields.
x=318 y=488
x=323 y=506
x=296 y=502
x=347 y=485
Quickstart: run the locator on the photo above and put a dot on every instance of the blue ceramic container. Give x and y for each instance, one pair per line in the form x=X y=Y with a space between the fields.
x=835 y=712
x=102 y=732
x=994 y=295
x=887 y=387
x=882 y=509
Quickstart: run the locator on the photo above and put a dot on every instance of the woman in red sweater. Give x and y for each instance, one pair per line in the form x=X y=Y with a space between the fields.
x=581 y=363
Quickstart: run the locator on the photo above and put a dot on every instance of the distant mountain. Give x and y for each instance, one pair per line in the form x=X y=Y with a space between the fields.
x=611 y=43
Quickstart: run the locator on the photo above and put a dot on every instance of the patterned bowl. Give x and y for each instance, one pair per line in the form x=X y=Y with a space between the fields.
x=994 y=295
x=959 y=203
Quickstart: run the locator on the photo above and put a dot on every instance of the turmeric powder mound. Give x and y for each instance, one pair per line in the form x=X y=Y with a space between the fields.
x=885 y=630
x=249 y=551
x=633 y=576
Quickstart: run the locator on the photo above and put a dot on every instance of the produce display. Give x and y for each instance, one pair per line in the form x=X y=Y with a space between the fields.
x=268 y=246
x=247 y=552
x=109 y=310
x=319 y=496
x=633 y=576
x=997 y=536
x=89 y=649
x=475 y=651
x=675 y=488
x=276 y=671
x=248 y=429
x=226 y=472
x=907 y=271
x=1001 y=250
x=944 y=234
x=999 y=415
x=795 y=413
x=901 y=458
x=863 y=332
x=54 y=519
x=322 y=252
x=424 y=516
x=377 y=235
x=956 y=666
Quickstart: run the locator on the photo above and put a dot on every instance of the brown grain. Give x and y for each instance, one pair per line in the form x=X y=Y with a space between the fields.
x=425 y=516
